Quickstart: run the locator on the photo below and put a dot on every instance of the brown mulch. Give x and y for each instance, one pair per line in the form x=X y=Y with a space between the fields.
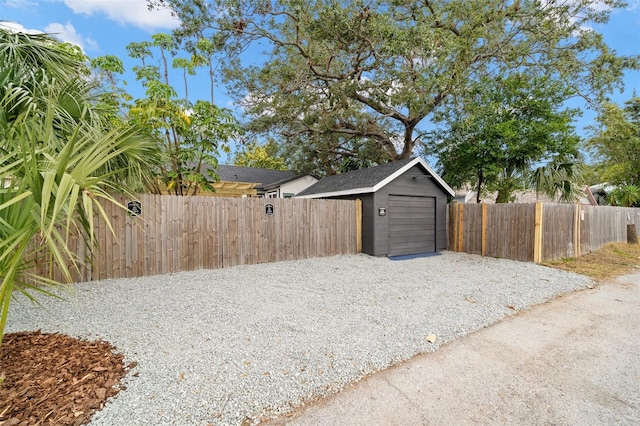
x=56 y=379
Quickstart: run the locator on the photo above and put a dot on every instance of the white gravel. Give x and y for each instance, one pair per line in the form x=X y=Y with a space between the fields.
x=231 y=345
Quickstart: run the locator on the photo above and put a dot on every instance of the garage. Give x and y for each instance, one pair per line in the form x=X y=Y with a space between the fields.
x=403 y=206
x=412 y=225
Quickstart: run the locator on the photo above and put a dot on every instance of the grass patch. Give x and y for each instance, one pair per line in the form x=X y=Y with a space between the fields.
x=610 y=261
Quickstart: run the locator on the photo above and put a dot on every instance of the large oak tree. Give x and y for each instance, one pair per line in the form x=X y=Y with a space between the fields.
x=359 y=79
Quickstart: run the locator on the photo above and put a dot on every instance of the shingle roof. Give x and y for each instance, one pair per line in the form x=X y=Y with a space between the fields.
x=367 y=180
x=253 y=175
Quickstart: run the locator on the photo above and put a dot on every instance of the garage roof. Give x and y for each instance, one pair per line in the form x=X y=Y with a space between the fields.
x=367 y=180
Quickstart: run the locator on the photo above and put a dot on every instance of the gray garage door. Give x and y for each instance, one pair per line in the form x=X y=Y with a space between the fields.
x=412 y=225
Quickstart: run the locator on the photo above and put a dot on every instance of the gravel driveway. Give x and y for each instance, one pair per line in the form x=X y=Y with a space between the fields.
x=231 y=345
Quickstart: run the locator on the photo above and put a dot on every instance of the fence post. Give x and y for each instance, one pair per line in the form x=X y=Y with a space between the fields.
x=460 y=226
x=537 y=238
x=358 y=225
x=451 y=227
x=576 y=232
x=484 y=229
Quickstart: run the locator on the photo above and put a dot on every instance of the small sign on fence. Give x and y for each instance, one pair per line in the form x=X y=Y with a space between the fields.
x=135 y=208
x=268 y=209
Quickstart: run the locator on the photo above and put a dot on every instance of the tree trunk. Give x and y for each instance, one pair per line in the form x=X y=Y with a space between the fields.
x=503 y=196
x=479 y=188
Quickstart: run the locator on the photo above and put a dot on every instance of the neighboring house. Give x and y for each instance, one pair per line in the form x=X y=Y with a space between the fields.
x=598 y=194
x=403 y=206
x=236 y=181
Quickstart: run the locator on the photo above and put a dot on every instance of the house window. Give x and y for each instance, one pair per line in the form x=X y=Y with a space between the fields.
x=272 y=194
x=287 y=195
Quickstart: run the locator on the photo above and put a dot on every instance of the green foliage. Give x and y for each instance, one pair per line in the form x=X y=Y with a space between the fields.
x=59 y=159
x=35 y=69
x=561 y=179
x=356 y=79
x=625 y=196
x=499 y=130
x=615 y=144
x=113 y=99
x=189 y=135
x=260 y=156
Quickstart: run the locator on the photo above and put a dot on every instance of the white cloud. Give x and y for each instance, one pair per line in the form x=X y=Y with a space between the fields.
x=126 y=12
x=633 y=5
x=17 y=28
x=67 y=33
x=19 y=4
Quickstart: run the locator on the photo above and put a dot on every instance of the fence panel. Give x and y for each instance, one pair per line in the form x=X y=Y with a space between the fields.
x=558 y=231
x=607 y=224
x=472 y=229
x=509 y=230
x=184 y=233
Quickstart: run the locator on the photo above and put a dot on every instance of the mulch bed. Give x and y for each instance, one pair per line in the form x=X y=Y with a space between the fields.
x=56 y=379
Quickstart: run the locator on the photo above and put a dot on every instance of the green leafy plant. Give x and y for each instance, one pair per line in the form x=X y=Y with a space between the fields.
x=189 y=134
x=492 y=137
x=625 y=196
x=53 y=186
x=615 y=144
x=60 y=159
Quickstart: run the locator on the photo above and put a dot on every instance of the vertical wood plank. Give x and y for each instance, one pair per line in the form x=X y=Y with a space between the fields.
x=484 y=230
x=460 y=226
x=537 y=246
x=163 y=253
x=158 y=254
x=358 y=226
x=128 y=247
x=576 y=231
x=187 y=223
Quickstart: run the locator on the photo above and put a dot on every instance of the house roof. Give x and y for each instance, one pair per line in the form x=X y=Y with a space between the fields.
x=274 y=185
x=367 y=180
x=602 y=188
x=254 y=175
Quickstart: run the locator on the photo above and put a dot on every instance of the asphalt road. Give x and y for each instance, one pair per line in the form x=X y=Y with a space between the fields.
x=571 y=361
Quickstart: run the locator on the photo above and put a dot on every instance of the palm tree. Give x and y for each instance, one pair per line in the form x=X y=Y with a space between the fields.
x=59 y=161
x=625 y=196
x=559 y=179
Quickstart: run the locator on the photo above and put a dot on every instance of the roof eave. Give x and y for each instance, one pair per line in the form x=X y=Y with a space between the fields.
x=338 y=193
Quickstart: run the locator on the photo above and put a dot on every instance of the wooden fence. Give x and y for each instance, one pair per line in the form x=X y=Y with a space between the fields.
x=186 y=233
x=536 y=232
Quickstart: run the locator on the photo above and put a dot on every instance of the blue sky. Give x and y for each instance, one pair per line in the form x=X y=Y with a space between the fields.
x=102 y=27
